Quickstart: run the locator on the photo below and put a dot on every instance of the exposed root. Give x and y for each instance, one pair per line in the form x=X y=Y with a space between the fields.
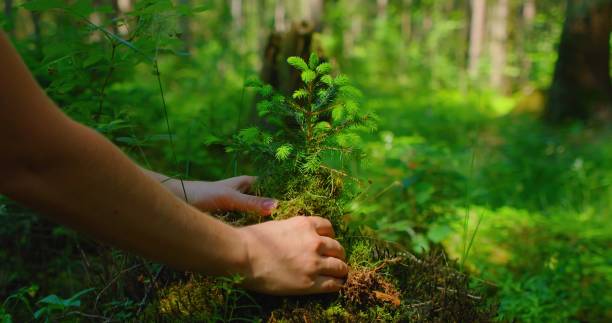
x=367 y=287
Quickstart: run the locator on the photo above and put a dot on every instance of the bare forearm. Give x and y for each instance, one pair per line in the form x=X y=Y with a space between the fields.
x=75 y=175
x=89 y=184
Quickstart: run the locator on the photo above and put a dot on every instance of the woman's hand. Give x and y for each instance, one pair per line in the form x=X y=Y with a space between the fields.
x=224 y=195
x=294 y=256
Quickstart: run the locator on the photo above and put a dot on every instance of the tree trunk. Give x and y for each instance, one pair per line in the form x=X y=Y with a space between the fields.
x=477 y=26
x=528 y=16
x=499 y=36
x=406 y=21
x=381 y=6
x=280 y=17
x=296 y=42
x=581 y=87
x=312 y=12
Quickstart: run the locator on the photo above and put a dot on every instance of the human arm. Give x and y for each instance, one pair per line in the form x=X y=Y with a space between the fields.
x=77 y=177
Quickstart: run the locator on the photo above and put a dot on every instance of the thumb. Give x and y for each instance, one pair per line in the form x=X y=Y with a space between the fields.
x=250 y=203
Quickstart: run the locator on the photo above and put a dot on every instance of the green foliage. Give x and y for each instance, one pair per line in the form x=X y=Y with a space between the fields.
x=301 y=157
x=52 y=305
x=298 y=63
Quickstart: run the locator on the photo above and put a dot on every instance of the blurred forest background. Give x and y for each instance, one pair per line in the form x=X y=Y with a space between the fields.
x=494 y=139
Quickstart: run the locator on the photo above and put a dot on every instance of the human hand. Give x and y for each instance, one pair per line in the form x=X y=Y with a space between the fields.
x=294 y=257
x=228 y=195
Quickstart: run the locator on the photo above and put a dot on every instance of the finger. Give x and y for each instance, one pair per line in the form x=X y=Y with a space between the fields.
x=326 y=284
x=250 y=203
x=333 y=267
x=241 y=183
x=322 y=226
x=331 y=248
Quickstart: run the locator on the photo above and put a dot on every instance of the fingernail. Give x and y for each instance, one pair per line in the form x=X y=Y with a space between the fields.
x=270 y=205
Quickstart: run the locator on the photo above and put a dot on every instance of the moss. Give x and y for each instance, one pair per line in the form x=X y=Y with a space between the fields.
x=199 y=297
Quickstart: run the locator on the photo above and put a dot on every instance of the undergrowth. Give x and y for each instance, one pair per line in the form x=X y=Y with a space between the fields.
x=305 y=149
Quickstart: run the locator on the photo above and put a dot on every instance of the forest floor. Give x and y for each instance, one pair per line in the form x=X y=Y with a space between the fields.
x=521 y=205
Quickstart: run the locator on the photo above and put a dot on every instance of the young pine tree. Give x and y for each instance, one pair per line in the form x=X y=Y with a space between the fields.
x=307 y=142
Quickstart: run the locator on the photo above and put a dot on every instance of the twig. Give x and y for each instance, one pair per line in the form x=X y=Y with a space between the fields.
x=91 y=316
x=148 y=291
x=455 y=291
x=111 y=69
x=112 y=281
x=418 y=304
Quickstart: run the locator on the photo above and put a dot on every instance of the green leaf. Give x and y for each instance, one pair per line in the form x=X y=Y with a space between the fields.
x=297 y=62
x=337 y=114
x=313 y=61
x=324 y=68
x=82 y=8
x=341 y=80
x=438 y=232
x=347 y=140
x=249 y=135
x=308 y=76
x=155 y=7
x=300 y=94
x=211 y=139
x=264 y=107
x=266 y=90
x=424 y=192
x=39 y=313
x=323 y=125
x=53 y=300
x=350 y=91
x=277 y=100
x=201 y=8
x=5 y=317
x=420 y=243
x=351 y=107
x=93 y=58
x=312 y=163
x=74 y=300
x=253 y=81
x=266 y=138
x=130 y=141
x=188 y=10
x=327 y=80
x=41 y=5
x=283 y=152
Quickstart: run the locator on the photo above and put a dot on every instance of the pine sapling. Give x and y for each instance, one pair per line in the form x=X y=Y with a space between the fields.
x=305 y=148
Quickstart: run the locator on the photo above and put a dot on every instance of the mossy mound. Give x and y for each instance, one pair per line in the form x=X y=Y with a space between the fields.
x=398 y=289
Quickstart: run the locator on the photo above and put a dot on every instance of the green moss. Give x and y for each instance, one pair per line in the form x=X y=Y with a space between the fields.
x=361 y=254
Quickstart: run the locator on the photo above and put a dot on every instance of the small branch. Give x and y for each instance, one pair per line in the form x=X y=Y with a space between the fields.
x=297 y=107
x=387 y=262
x=148 y=291
x=91 y=316
x=112 y=281
x=418 y=304
x=111 y=69
x=455 y=291
x=316 y=113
